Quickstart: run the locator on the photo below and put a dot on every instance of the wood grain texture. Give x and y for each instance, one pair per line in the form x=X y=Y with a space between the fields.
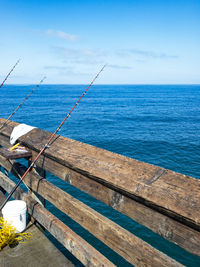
x=14 y=154
x=171 y=193
x=69 y=239
x=170 y=229
x=165 y=226
x=127 y=245
x=108 y=176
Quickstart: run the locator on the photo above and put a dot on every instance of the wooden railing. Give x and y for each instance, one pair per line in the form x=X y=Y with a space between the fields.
x=166 y=202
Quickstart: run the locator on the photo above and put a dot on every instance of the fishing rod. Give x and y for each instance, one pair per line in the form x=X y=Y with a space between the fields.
x=9 y=73
x=49 y=142
x=22 y=102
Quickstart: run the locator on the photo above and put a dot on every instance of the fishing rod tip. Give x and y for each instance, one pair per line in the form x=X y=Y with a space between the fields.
x=104 y=66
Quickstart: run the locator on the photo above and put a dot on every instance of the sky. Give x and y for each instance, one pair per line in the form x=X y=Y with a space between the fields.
x=141 y=41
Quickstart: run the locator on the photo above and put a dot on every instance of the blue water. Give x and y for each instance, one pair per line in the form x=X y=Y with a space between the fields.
x=158 y=124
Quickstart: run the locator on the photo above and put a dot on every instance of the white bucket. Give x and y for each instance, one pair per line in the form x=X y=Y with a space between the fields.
x=14 y=212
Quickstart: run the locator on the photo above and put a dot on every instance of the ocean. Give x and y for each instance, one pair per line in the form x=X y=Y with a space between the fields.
x=157 y=124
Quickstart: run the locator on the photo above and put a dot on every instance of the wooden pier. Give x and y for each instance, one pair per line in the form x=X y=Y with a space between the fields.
x=166 y=202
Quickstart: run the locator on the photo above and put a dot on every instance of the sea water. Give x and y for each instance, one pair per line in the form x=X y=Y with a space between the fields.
x=157 y=124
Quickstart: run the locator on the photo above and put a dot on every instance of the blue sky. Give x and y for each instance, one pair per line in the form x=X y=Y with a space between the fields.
x=143 y=42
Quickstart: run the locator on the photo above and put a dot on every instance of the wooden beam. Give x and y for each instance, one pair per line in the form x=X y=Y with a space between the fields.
x=170 y=229
x=69 y=239
x=166 y=191
x=130 y=247
x=4 y=141
x=14 y=154
x=165 y=226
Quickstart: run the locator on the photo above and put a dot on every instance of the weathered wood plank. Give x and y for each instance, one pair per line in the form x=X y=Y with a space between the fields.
x=169 y=192
x=42 y=173
x=14 y=154
x=167 y=227
x=4 y=141
x=130 y=247
x=74 y=243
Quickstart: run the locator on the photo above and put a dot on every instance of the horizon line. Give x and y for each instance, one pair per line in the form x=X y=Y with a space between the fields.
x=104 y=84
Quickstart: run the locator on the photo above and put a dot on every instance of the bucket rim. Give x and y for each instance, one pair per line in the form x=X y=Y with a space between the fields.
x=14 y=207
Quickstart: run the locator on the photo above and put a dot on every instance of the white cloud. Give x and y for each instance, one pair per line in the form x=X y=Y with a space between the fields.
x=119 y=67
x=144 y=54
x=74 y=53
x=61 y=35
x=65 y=70
x=79 y=56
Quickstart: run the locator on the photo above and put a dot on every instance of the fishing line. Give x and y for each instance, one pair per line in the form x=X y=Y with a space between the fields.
x=49 y=142
x=22 y=102
x=9 y=73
